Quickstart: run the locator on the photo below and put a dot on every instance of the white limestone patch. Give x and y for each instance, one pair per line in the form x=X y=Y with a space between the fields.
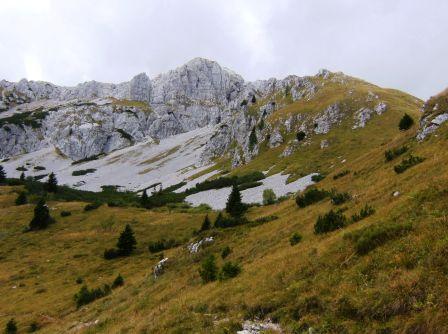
x=217 y=198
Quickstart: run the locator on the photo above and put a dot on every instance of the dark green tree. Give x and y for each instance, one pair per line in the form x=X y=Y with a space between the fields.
x=22 y=176
x=235 y=206
x=300 y=135
x=21 y=199
x=206 y=224
x=252 y=139
x=11 y=327
x=52 y=184
x=2 y=174
x=144 y=199
x=209 y=270
x=126 y=242
x=219 y=220
x=42 y=217
x=406 y=122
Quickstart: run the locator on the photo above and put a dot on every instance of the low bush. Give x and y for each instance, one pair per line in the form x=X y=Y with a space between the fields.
x=269 y=197
x=317 y=177
x=331 y=221
x=208 y=270
x=229 y=270
x=341 y=174
x=365 y=212
x=300 y=135
x=39 y=168
x=21 y=199
x=395 y=152
x=21 y=169
x=406 y=122
x=11 y=327
x=225 y=252
x=249 y=185
x=371 y=237
x=65 y=213
x=311 y=196
x=295 y=239
x=81 y=172
x=92 y=206
x=408 y=163
x=160 y=245
x=118 y=281
x=111 y=253
x=226 y=221
x=263 y=220
x=340 y=198
x=86 y=296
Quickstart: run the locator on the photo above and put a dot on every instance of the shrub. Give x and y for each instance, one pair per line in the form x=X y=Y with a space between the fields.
x=41 y=218
x=83 y=171
x=341 y=174
x=254 y=99
x=395 y=152
x=317 y=177
x=208 y=270
x=225 y=252
x=22 y=169
x=34 y=327
x=225 y=222
x=118 y=281
x=295 y=239
x=65 y=213
x=52 y=184
x=79 y=280
x=365 y=212
x=111 y=253
x=406 y=122
x=262 y=220
x=243 y=103
x=408 y=163
x=331 y=221
x=39 y=168
x=248 y=185
x=21 y=199
x=229 y=270
x=311 y=196
x=300 y=135
x=92 y=206
x=340 y=198
x=86 y=296
x=126 y=242
x=374 y=236
x=11 y=327
x=2 y=174
x=160 y=245
x=205 y=224
x=269 y=197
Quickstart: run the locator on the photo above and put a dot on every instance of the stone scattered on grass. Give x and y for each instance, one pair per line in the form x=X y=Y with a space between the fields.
x=159 y=268
x=195 y=246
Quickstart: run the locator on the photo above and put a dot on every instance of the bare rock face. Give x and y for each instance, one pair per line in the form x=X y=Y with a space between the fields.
x=330 y=116
x=276 y=138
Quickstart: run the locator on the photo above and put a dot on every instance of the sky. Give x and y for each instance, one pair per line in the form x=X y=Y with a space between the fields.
x=393 y=43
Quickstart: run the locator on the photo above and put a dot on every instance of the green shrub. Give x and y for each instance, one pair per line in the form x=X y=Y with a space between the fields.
x=111 y=253
x=311 y=196
x=331 y=221
x=317 y=177
x=21 y=169
x=406 y=122
x=371 y=237
x=92 y=206
x=125 y=135
x=300 y=135
x=21 y=199
x=229 y=270
x=252 y=139
x=395 y=152
x=225 y=252
x=118 y=281
x=234 y=205
x=79 y=280
x=34 y=327
x=83 y=171
x=248 y=185
x=11 y=327
x=341 y=174
x=86 y=296
x=295 y=239
x=206 y=224
x=208 y=270
x=39 y=168
x=408 y=163
x=65 y=213
x=225 y=221
x=42 y=217
x=269 y=197
x=365 y=212
x=160 y=245
x=340 y=198
x=262 y=220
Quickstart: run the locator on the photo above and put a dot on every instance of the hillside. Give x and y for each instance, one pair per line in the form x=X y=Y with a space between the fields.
x=383 y=271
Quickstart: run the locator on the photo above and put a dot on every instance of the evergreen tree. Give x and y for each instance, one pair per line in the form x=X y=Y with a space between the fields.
x=300 y=135
x=206 y=224
x=2 y=174
x=406 y=122
x=11 y=327
x=52 y=183
x=234 y=206
x=21 y=199
x=22 y=176
x=144 y=199
x=126 y=242
x=252 y=139
x=219 y=220
x=209 y=270
x=42 y=217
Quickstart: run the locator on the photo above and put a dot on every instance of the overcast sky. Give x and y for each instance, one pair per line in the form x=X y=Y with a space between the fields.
x=393 y=43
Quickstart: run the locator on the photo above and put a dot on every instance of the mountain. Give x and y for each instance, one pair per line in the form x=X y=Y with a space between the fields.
x=354 y=239
x=135 y=132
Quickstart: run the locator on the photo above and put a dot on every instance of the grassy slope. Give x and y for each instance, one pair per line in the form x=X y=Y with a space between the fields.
x=320 y=282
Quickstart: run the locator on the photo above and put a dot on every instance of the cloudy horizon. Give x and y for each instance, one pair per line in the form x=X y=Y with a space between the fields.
x=396 y=44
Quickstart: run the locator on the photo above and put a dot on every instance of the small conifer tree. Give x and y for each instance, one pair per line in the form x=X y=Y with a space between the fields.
x=126 y=242
x=52 y=183
x=206 y=224
x=11 y=327
x=209 y=270
x=22 y=176
x=42 y=217
x=235 y=206
x=406 y=122
x=21 y=199
x=2 y=174
x=144 y=199
x=252 y=139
